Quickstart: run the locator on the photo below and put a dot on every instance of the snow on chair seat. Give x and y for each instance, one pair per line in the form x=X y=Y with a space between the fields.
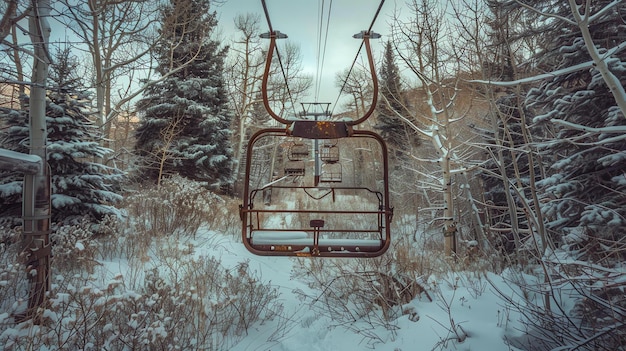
x=301 y=242
x=260 y=237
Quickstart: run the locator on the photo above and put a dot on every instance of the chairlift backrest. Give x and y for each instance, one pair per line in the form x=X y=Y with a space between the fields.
x=331 y=173
x=298 y=151
x=295 y=168
x=329 y=153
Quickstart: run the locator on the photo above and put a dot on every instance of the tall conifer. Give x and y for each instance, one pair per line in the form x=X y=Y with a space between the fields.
x=185 y=121
x=391 y=127
x=80 y=187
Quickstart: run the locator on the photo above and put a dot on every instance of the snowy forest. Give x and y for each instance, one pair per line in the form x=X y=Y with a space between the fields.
x=124 y=127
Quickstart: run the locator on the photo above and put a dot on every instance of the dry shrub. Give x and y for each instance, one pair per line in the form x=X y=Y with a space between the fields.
x=226 y=218
x=13 y=288
x=582 y=306
x=166 y=301
x=178 y=207
x=120 y=239
x=203 y=307
x=365 y=294
x=9 y=236
x=74 y=246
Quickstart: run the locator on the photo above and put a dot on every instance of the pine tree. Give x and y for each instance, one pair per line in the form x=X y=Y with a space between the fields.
x=13 y=137
x=185 y=120
x=391 y=127
x=79 y=187
x=586 y=185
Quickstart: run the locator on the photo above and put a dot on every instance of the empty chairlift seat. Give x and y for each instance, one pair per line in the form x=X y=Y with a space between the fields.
x=313 y=242
x=298 y=151
x=331 y=173
x=329 y=153
x=294 y=168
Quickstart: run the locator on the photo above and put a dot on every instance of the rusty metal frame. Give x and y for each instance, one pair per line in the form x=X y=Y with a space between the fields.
x=295 y=154
x=251 y=223
x=329 y=153
x=328 y=126
x=314 y=129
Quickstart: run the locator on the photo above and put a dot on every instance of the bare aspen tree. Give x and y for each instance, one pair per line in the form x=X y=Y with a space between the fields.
x=420 y=43
x=12 y=13
x=168 y=137
x=244 y=72
x=36 y=189
x=245 y=68
x=121 y=135
x=498 y=60
x=12 y=75
x=285 y=92
x=358 y=86
x=120 y=37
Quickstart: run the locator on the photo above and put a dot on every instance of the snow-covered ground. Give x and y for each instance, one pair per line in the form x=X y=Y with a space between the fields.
x=466 y=301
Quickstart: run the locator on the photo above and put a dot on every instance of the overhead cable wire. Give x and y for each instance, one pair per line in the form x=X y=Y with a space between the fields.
x=369 y=30
x=267 y=16
x=326 y=37
x=320 y=14
x=320 y=63
x=380 y=6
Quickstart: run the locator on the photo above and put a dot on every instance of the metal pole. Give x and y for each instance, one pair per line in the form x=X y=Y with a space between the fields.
x=318 y=168
x=36 y=192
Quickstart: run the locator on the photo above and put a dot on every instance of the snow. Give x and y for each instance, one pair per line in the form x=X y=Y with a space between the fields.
x=61 y=200
x=10 y=188
x=469 y=310
x=463 y=299
x=18 y=156
x=302 y=238
x=26 y=163
x=269 y=236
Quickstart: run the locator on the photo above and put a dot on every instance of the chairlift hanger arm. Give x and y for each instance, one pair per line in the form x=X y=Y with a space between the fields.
x=273 y=35
x=365 y=35
x=268 y=62
x=366 y=40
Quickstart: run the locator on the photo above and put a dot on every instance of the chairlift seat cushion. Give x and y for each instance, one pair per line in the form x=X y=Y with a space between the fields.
x=268 y=237
x=261 y=237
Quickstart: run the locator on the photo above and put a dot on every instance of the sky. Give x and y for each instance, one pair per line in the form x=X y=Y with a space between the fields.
x=300 y=20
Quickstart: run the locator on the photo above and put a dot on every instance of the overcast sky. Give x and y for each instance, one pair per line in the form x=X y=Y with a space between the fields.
x=299 y=19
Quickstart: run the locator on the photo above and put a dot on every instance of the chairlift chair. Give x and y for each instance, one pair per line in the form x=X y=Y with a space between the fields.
x=329 y=153
x=298 y=151
x=285 y=228
x=312 y=223
x=331 y=173
x=295 y=168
